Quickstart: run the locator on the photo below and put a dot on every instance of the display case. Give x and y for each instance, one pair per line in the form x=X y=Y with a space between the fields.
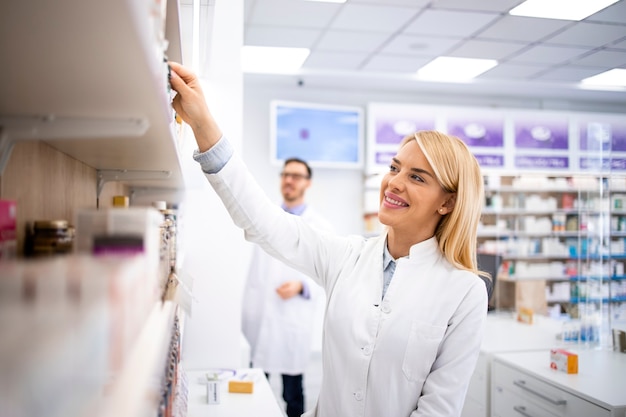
x=561 y=239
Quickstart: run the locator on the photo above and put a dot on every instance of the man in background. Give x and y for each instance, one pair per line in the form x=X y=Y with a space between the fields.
x=280 y=304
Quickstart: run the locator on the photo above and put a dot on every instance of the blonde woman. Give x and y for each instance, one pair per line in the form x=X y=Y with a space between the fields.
x=405 y=310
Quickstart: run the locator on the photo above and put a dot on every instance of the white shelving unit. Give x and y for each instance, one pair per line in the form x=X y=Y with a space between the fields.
x=562 y=235
x=89 y=78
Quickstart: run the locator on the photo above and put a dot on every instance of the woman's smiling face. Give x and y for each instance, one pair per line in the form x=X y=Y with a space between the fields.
x=411 y=196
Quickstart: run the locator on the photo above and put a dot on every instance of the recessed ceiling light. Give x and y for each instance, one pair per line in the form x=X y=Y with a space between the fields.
x=560 y=9
x=611 y=78
x=270 y=59
x=447 y=68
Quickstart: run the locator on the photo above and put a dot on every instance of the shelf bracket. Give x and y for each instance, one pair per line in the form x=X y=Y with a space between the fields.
x=107 y=175
x=172 y=193
x=50 y=127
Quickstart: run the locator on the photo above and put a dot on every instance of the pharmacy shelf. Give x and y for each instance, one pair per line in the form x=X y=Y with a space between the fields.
x=88 y=78
x=145 y=368
x=547 y=228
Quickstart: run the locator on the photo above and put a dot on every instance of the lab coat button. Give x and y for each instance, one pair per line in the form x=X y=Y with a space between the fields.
x=386 y=308
x=358 y=395
x=367 y=350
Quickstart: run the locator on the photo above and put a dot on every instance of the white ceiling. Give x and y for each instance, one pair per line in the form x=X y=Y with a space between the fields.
x=382 y=43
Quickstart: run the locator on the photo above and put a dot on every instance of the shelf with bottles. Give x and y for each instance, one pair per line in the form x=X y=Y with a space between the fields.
x=550 y=229
x=87 y=335
x=551 y=217
x=599 y=288
x=96 y=324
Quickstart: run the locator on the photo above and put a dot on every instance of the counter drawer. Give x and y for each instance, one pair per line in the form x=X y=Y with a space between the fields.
x=551 y=399
x=507 y=404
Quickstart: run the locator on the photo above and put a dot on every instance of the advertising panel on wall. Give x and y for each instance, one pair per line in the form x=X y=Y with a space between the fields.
x=389 y=126
x=507 y=140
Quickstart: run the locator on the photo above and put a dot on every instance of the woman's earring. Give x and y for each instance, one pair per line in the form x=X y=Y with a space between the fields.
x=441 y=211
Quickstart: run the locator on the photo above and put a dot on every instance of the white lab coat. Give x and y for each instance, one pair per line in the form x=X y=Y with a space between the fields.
x=411 y=354
x=280 y=332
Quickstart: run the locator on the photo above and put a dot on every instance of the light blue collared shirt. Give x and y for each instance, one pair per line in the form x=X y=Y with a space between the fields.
x=214 y=159
x=389 y=267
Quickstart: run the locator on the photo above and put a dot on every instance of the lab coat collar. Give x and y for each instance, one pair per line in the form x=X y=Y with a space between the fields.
x=419 y=253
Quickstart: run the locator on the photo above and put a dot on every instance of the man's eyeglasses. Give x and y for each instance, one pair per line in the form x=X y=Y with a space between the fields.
x=295 y=177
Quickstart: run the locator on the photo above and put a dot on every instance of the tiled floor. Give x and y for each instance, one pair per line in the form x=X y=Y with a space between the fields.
x=312 y=382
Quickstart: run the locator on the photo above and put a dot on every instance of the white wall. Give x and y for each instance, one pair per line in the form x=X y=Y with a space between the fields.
x=338 y=194
x=213 y=248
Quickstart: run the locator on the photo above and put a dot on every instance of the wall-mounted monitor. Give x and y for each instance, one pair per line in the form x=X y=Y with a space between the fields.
x=326 y=136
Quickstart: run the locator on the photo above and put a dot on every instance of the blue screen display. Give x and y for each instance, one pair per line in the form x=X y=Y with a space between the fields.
x=320 y=135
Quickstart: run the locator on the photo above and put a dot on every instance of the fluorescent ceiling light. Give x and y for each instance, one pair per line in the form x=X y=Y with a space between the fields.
x=560 y=9
x=271 y=59
x=447 y=68
x=611 y=78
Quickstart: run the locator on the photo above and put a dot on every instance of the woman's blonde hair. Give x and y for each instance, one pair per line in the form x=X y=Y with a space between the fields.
x=458 y=172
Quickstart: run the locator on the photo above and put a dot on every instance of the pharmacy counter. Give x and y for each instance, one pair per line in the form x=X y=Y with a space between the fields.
x=503 y=333
x=261 y=402
x=524 y=384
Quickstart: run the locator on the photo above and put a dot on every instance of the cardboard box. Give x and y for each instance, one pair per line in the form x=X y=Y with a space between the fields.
x=564 y=360
x=242 y=387
x=525 y=315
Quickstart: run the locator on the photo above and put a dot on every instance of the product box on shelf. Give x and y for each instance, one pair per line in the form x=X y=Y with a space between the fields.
x=127 y=233
x=8 y=235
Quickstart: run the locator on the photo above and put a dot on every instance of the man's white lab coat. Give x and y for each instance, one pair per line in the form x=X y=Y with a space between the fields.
x=280 y=332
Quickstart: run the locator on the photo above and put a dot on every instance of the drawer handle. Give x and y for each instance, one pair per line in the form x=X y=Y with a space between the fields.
x=522 y=410
x=522 y=384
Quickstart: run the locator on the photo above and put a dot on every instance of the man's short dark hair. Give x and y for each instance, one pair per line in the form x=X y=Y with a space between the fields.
x=301 y=161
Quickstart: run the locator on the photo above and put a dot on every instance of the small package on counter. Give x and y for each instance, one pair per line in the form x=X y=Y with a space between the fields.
x=525 y=315
x=241 y=387
x=213 y=391
x=564 y=360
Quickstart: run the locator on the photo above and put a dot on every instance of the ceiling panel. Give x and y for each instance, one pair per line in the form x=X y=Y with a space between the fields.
x=487 y=49
x=395 y=64
x=419 y=45
x=516 y=28
x=568 y=73
x=516 y=72
x=615 y=13
x=549 y=55
x=603 y=59
x=391 y=39
x=334 y=60
x=338 y=40
x=280 y=36
x=500 y=6
x=590 y=34
x=290 y=13
x=372 y=18
x=449 y=23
